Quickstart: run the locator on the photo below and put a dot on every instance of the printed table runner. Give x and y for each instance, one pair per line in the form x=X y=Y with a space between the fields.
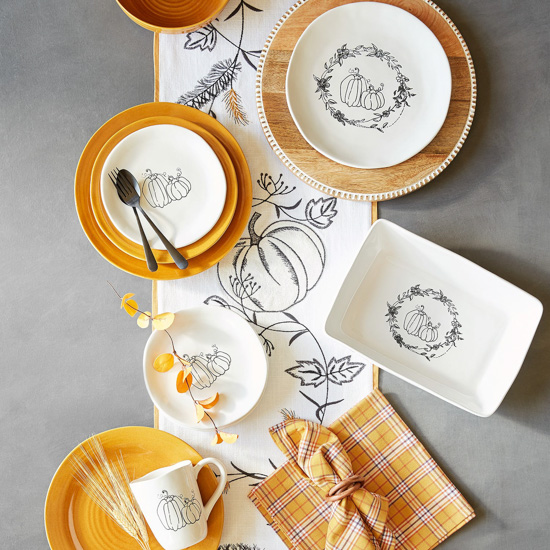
x=316 y=238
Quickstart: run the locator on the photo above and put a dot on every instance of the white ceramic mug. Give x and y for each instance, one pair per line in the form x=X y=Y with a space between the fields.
x=171 y=502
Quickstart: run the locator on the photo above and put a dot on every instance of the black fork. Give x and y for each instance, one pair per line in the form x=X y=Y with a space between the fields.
x=128 y=192
x=149 y=256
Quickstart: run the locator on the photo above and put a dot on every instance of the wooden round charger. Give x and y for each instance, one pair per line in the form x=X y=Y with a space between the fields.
x=344 y=181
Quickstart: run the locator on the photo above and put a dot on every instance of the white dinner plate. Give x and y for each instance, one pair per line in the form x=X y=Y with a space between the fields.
x=226 y=357
x=434 y=318
x=368 y=85
x=183 y=185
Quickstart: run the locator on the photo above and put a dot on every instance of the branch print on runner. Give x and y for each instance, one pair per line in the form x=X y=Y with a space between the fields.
x=222 y=76
x=270 y=271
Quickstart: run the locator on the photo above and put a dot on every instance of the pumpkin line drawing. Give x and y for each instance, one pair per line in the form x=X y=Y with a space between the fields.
x=192 y=509
x=169 y=511
x=418 y=324
x=176 y=511
x=415 y=320
x=206 y=368
x=273 y=270
x=161 y=189
x=357 y=91
x=429 y=332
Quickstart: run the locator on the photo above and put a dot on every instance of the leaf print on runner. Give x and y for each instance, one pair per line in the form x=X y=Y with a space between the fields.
x=343 y=371
x=320 y=212
x=310 y=373
x=203 y=39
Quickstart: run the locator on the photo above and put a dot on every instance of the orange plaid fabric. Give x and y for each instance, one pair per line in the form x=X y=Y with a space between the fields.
x=406 y=501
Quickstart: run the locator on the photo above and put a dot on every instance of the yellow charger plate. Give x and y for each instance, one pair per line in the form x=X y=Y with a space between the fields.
x=73 y=521
x=135 y=249
x=109 y=250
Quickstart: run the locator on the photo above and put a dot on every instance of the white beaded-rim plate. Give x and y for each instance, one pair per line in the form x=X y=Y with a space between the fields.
x=368 y=85
x=226 y=356
x=182 y=182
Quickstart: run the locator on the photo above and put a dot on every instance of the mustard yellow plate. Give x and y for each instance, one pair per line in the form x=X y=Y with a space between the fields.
x=74 y=522
x=136 y=250
x=106 y=247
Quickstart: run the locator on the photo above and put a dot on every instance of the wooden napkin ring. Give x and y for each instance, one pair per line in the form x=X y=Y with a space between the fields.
x=345 y=488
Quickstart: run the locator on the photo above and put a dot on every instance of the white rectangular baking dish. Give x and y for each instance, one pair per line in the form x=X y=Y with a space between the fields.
x=434 y=318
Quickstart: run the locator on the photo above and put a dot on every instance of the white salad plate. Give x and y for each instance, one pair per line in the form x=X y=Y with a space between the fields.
x=368 y=85
x=183 y=185
x=434 y=318
x=226 y=356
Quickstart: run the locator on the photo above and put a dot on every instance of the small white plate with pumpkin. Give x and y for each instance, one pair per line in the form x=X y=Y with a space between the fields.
x=434 y=318
x=183 y=184
x=368 y=85
x=225 y=357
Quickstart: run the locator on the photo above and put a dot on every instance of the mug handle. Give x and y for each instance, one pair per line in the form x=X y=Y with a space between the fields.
x=221 y=483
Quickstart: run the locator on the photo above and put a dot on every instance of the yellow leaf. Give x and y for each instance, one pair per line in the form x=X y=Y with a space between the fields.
x=163 y=321
x=182 y=385
x=143 y=320
x=163 y=362
x=130 y=307
x=217 y=439
x=124 y=298
x=182 y=360
x=186 y=372
x=210 y=402
x=200 y=412
x=228 y=438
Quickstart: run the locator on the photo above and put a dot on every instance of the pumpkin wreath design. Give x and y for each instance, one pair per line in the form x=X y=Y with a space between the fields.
x=358 y=91
x=427 y=338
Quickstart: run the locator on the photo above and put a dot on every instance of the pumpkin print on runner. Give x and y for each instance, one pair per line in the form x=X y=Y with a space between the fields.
x=268 y=272
x=170 y=511
x=358 y=91
x=415 y=330
x=160 y=190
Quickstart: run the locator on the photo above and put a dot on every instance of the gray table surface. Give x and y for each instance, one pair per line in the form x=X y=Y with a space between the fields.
x=71 y=362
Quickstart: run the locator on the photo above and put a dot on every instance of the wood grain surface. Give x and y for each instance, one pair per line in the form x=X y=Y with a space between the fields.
x=344 y=181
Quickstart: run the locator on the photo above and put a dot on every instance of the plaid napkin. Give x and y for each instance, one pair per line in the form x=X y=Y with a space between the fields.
x=406 y=502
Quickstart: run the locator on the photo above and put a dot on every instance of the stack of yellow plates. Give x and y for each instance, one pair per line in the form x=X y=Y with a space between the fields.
x=106 y=235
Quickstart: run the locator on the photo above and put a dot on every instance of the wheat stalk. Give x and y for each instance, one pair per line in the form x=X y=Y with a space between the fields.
x=234 y=106
x=107 y=483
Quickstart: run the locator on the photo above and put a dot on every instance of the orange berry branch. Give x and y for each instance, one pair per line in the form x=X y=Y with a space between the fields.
x=165 y=361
